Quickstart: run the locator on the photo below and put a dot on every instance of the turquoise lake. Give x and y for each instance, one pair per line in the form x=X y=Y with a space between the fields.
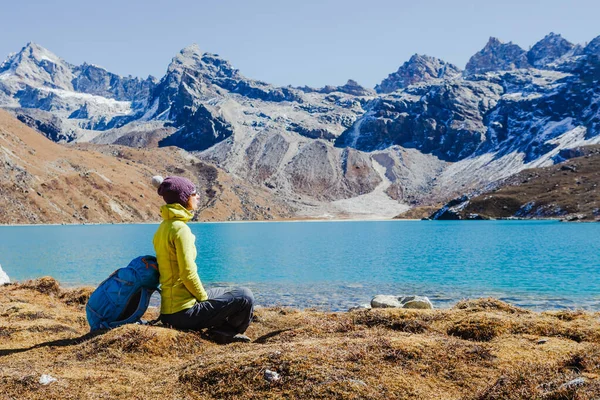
x=337 y=265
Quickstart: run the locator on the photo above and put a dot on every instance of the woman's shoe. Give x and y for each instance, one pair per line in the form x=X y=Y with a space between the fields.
x=221 y=337
x=241 y=338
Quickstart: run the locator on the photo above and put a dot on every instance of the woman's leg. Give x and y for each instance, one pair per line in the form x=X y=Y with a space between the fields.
x=228 y=310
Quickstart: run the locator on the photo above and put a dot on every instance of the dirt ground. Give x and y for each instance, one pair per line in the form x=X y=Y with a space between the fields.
x=480 y=349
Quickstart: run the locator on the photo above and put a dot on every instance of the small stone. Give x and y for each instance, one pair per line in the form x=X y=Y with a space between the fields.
x=542 y=341
x=573 y=383
x=271 y=376
x=47 y=379
x=365 y=306
x=571 y=168
x=357 y=381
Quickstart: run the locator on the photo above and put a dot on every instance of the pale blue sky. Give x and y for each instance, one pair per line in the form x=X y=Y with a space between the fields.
x=287 y=42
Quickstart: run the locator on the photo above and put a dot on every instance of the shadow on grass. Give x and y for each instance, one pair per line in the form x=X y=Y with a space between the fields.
x=55 y=343
x=263 y=339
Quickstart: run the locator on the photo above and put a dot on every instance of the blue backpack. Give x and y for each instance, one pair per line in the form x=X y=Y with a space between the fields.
x=124 y=296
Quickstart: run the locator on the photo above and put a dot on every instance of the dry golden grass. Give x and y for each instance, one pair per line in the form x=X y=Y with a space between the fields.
x=480 y=349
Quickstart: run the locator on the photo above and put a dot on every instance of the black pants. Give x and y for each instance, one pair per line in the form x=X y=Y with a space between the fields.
x=227 y=310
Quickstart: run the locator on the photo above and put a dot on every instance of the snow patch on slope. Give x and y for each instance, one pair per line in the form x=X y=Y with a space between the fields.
x=489 y=168
x=119 y=107
x=374 y=205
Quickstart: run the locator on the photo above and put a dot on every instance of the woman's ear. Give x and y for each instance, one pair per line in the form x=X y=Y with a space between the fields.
x=190 y=205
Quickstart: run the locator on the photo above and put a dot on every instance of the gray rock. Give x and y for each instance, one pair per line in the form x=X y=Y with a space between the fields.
x=351 y=87
x=365 y=306
x=45 y=122
x=271 y=376
x=451 y=210
x=567 y=154
x=420 y=68
x=418 y=302
x=4 y=279
x=444 y=118
x=577 y=382
x=389 y=301
x=202 y=127
x=497 y=56
x=98 y=81
x=548 y=50
x=593 y=47
x=386 y=301
x=357 y=381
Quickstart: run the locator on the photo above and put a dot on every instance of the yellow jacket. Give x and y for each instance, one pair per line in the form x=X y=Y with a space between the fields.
x=176 y=254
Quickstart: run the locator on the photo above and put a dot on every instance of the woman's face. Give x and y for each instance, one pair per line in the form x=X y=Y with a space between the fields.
x=193 y=202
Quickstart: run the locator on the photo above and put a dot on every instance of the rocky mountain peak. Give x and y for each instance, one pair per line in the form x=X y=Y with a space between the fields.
x=493 y=42
x=420 y=68
x=40 y=53
x=188 y=56
x=350 y=87
x=497 y=56
x=356 y=89
x=96 y=80
x=37 y=66
x=31 y=54
x=552 y=47
x=593 y=47
x=208 y=64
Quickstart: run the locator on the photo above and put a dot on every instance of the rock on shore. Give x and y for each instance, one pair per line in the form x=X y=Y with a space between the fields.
x=387 y=301
x=4 y=279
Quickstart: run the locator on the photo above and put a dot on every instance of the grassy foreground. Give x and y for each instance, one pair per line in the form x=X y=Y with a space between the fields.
x=480 y=349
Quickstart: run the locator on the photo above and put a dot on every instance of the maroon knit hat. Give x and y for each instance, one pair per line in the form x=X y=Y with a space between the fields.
x=174 y=189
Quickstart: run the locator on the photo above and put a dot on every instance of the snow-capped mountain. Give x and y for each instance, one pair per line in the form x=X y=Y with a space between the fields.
x=39 y=86
x=427 y=132
x=35 y=66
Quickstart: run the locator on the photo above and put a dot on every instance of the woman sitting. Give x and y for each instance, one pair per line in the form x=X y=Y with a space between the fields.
x=184 y=302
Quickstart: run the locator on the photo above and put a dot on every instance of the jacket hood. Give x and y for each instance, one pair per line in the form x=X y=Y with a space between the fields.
x=175 y=212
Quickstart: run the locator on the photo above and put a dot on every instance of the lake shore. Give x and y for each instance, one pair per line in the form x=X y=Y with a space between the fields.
x=537 y=265
x=478 y=349
x=223 y=222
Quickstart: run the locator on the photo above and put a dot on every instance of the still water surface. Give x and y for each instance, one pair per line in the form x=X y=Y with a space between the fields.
x=336 y=265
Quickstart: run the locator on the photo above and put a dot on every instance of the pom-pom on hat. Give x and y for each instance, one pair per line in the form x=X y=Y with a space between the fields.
x=174 y=189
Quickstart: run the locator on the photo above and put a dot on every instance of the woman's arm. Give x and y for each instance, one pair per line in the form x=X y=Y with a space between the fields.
x=186 y=260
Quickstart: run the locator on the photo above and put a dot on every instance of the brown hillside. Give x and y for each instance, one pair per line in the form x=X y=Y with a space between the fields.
x=480 y=349
x=569 y=190
x=44 y=182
